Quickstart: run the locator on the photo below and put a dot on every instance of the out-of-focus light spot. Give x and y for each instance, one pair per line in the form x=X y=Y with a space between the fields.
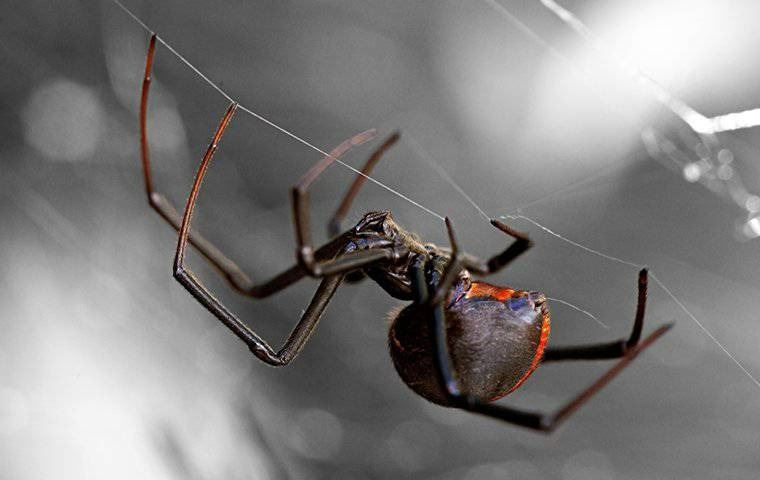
x=102 y=300
x=702 y=151
x=444 y=416
x=124 y=52
x=214 y=357
x=14 y=411
x=63 y=120
x=588 y=465
x=692 y=172
x=751 y=229
x=316 y=434
x=413 y=445
x=725 y=156
x=165 y=128
x=213 y=439
x=715 y=185
x=665 y=39
x=512 y=470
x=125 y=60
x=725 y=172
x=752 y=203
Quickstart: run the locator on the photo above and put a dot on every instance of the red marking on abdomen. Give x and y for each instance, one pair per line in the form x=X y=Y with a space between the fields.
x=495 y=292
x=480 y=289
x=542 y=341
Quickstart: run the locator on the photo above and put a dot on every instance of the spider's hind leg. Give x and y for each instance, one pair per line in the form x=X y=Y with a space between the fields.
x=608 y=350
x=545 y=422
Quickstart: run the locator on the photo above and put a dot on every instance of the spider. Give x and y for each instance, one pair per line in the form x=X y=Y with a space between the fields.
x=461 y=343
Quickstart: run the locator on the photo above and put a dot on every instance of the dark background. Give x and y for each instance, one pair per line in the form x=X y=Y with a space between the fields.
x=109 y=369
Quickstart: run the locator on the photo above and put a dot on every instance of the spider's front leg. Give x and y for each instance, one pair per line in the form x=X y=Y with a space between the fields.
x=230 y=270
x=334 y=227
x=305 y=254
x=333 y=271
x=496 y=263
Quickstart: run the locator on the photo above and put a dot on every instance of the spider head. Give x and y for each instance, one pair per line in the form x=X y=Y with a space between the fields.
x=377 y=223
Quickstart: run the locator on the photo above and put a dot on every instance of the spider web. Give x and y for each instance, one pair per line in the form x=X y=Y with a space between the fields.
x=519 y=110
x=701 y=125
x=580 y=257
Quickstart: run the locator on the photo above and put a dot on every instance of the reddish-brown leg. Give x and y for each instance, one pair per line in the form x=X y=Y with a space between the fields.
x=238 y=279
x=626 y=350
x=335 y=225
x=332 y=271
x=602 y=351
x=234 y=274
x=305 y=253
x=496 y=263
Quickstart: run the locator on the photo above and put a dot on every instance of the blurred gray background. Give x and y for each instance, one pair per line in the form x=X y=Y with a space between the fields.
x=109 y=369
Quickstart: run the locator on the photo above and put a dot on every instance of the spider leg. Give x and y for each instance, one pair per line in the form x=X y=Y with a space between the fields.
x=332 y=270
x=419 y=284
x=520 y=245
x=549 y=422
x=238 y=279
x=335 y=226
x=229 y=269
x=615 y=349
x=259 y=347
x=534 y=420
x=452 y=269
x=305 y=254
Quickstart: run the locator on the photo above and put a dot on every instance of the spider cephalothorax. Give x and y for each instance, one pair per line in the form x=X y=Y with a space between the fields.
x=460 y=343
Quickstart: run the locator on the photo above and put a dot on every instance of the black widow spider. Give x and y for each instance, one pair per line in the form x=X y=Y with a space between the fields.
x=460 y=343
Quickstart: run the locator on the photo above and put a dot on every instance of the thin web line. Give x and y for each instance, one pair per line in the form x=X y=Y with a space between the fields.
x=575 y=244
x=583 y=74
x=592 y=251
x=435 y=166
x=656 y=280
x=699 y=123
x=269 y=122
x=358 y=172
x=699 y=324
x=705 y=128
x=192 y=67
x=576 y=308
x=568 y=189
x=427 y=158
x=533 y=35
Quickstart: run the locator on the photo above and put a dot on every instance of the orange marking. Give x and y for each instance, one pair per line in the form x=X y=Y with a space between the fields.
x=542 y=341
x=486 y=290
x=480 y=289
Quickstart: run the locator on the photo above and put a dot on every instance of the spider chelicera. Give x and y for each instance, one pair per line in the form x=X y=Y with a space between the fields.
x=460 y=343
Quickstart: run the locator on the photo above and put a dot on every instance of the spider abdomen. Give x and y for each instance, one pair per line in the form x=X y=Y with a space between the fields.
x=496 y=337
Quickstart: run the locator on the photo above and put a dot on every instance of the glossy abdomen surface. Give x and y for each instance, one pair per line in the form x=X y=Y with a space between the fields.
x=496 y=339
